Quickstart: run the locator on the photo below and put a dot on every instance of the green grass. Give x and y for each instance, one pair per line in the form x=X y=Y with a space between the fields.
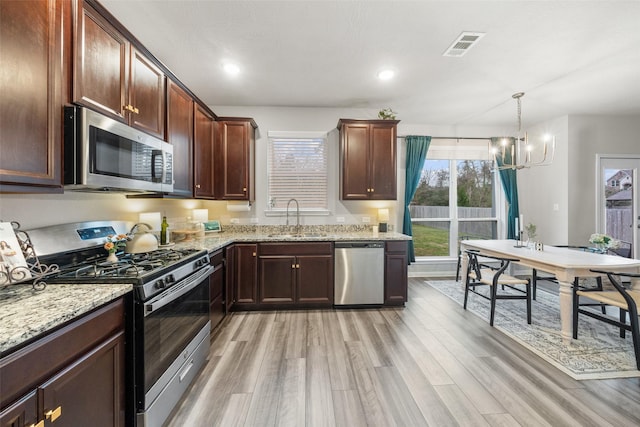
x=429 y=241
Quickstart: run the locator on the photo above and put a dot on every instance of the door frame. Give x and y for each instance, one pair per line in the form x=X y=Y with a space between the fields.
x=600 y=225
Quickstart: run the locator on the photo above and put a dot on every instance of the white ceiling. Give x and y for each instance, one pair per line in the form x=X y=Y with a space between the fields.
x=570 y=57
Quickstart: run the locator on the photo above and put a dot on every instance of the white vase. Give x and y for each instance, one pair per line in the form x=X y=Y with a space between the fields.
x=112 y=257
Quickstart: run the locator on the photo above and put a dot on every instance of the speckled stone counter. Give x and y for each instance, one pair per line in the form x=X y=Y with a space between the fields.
x=215 y=241
x=26 y=314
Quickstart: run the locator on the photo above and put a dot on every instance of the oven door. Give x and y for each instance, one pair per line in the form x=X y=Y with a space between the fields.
x=169 y=323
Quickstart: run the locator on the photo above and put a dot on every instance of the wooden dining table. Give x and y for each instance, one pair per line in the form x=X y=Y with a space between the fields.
x=565 y=263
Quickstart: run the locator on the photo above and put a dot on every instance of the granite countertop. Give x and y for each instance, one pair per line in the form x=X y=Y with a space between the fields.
x=26 y=314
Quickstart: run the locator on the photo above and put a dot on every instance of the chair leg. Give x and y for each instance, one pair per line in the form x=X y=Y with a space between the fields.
x=603 y=307
x=458 y=268
x=528 y=302
x=576 y=306
x=494 y=292
x=466 y=292
x=623 y=319
x=635 y=333
x=534 y=282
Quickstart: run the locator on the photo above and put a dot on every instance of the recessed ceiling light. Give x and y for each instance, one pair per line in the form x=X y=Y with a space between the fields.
x=386 y=74
x=231 y=69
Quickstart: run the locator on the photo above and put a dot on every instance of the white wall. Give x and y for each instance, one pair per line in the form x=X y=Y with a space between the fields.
x=588 y=136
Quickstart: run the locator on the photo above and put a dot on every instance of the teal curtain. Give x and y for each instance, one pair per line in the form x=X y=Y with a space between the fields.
x=417 y=147
x=509 y=185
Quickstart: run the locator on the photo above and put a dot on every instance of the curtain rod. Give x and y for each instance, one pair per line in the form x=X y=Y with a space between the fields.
x=448 y=137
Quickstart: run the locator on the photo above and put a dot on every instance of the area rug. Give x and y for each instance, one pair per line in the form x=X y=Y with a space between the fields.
x=598 y=353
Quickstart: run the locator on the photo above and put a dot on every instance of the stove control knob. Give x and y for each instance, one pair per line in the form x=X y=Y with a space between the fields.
x=169 y=279
x=160 y=284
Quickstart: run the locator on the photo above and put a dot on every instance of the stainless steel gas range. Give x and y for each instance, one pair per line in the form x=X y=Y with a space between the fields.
x=170 y=319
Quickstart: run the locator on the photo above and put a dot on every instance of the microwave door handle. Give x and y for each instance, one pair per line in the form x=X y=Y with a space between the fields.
x=154 y=155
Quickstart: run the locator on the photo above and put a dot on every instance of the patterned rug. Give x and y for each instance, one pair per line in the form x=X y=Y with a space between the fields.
x=598 y=353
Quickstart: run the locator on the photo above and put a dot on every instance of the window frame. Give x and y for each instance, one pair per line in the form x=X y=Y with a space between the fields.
x=293 y=135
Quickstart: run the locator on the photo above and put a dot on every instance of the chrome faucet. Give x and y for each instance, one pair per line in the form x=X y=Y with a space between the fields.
x=297 y=214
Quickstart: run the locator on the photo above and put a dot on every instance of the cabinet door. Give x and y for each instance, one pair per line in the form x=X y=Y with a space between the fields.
x=395 y=273
x=355 y=161
x=246 y=273
x=230 y=278
x=101 y=65
x=22 y=413
x=31 y=88
x=277 y=279
x=180 y=135
x=91 y=391
x=146 y=95
x=203 y=150
x=382 y=168
x=315 y=279
x=233 y=159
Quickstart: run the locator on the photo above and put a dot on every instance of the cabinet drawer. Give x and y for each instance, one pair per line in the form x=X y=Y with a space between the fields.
x=25 y=369
x=322 y=248
x=399 y=246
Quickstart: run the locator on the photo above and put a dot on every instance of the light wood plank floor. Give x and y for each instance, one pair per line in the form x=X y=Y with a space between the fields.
x=427 y=364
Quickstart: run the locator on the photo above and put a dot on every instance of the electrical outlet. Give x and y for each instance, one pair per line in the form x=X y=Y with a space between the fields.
x=340 y=219
x=254 y=220
x=366 y=220
x=234 y=221
x=556 y=207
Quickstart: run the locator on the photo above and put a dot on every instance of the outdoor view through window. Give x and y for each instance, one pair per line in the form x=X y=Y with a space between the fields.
x=455 y=200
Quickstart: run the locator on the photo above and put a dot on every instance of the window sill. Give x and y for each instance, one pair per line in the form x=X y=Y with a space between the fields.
x=292 y=212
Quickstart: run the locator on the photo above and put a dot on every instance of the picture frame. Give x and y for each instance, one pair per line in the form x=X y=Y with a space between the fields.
x=212 y=226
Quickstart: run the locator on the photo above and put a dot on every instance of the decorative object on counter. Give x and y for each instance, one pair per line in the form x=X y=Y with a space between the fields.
x=141 y=240
x=387 y=114
x=200 y=216
x=115 y=243
x=532 y=232
x=164 y=232
x=212 y=226
x=383 y=219
x=18 y=260
x=518 y=152
x=603 y=242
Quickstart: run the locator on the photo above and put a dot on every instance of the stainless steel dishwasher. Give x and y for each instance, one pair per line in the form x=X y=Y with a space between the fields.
x=359 y=273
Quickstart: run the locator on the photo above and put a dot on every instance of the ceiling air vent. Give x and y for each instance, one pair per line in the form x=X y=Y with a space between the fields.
x=465 y=41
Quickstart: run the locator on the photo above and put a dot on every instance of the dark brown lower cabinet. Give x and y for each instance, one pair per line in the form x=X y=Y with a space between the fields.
x=245 y=272
x=217 y=309
x=296 y=274
x=395 y=272
x=74 y=376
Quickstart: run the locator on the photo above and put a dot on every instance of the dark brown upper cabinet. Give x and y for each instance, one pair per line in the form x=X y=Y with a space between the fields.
x=114 y=78
x=180 y=134
x=33 y=82
x=203 y=160
x=235 y=158
x=368 y=159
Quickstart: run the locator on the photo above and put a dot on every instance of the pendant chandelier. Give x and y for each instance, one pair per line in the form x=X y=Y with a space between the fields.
x=518 y=152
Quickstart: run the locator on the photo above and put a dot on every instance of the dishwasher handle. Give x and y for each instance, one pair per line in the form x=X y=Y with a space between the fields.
x=366 y=245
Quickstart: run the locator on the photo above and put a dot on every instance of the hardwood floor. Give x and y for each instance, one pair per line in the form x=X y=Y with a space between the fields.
x=427 y=364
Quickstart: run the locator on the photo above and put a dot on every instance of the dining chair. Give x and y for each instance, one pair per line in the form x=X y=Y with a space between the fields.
x=483 y=270
x=460 y=239
x=625 y=299
x=535 y=276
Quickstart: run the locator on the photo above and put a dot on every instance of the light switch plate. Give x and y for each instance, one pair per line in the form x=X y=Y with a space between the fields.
x=234 y=221
x=366 y=220
x=340 y=219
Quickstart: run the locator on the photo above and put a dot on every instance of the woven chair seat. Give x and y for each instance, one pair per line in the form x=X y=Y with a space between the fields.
x=504 y=279
x=614 y=298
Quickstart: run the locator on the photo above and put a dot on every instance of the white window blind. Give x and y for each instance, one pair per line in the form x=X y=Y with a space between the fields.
x=297 y=169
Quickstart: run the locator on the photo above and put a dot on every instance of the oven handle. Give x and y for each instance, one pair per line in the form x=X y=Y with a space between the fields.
x=176 y=291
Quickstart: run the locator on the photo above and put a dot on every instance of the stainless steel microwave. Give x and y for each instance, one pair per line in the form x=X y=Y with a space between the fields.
x=102 y=154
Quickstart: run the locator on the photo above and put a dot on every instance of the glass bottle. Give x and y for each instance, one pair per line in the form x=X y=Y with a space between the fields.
x=164 y=231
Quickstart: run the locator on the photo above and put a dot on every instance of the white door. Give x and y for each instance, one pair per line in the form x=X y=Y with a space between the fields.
x=618 y=201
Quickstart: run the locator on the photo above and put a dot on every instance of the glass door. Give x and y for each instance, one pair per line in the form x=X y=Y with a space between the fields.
x=618 y=202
